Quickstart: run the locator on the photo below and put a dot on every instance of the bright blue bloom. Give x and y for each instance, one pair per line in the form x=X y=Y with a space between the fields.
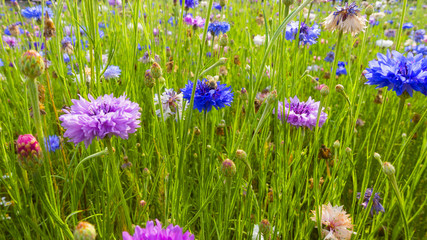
x=52 y=143
x=66 y=58
x=112 y=72
x=418 y=36
x=341 y=69
x=388 y=11
x=308 y=35
x=215 y=28
x=330 y=57
x=208 y=96
x=216 y=6
x=101 y=25
x=376 y=204
x=36 y=12
x=190 y=3
x=139 y=47
x=407 y=25
x=208 y=54
x=419 y=49
x=398 y=73
x=101 y=33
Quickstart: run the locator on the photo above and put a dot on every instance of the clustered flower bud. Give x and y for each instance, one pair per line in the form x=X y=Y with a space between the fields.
x=388 y=169
x=29 y=151
x=84 y=231
x=32 y=64
x=156 y=70
x=228 y=168
x=240 y=154
x=149 y=80
x=369 y=10
x=324 y=91
x=339 y=88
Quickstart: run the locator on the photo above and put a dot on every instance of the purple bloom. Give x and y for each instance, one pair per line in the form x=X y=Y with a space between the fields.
x=115 y=2
x=307 y=35
x=36 y=12
x=215 y=28
x=102 y=117
x=398 y=73
x=208 y=94
x=330 y=56
x=418 y=36
x=197 y=22
x=301 y=114
x=217 y=6
x=341 y=69
x=391 y=33
x=151 y=232
x=11 y=41
x=407 y=25
x=376 y=205
x=112 y=72
x=156 y=31
x=190 y=3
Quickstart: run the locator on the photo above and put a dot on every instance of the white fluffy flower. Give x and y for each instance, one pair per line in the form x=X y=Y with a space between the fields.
x=346 y=19
x=172 y=104
x=384 y=43
x=259 y=40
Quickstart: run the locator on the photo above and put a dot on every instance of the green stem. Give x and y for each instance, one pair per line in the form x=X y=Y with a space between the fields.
x=402 y=18
x=393 y=181
x=337 y=53
x=395 y=126
x=34 y=97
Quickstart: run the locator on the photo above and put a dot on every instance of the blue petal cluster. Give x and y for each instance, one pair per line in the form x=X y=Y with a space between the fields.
x=418 y=36
x=190 y=3
x=376 y=204
x=207 y=97
x=398 y=73
x=112 y=72
x=341 y=69
x=330 y=56
x=36 y=12
x=215 y=28
x=419 y=49
x=307 y=35
x=216 y=6
x=52 y=143
x=407 y=25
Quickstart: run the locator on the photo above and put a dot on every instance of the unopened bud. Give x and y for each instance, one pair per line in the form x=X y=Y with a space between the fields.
x=84 y=231
x=146 y=172
x=32 y=64
x=228 y=168
x=156 y=70
x=223 y=41
x=240 y=154
x=369 y=10
x=336 y=144
x=265 y=228
x=388 y=169
x=324 y=91
x=377 y=156
x=142 y=203
x=339 y=88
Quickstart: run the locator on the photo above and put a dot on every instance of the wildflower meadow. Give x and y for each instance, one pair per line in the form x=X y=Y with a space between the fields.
x=225 y=119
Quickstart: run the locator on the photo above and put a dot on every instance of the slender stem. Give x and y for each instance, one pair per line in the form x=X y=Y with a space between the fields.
x=337 y=53
x=393 y=181
x=34 y=97
x=395 y=126
x=402 y=18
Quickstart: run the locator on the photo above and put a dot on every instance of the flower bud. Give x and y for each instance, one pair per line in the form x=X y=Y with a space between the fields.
x=156 y=70
x=149 y=80
x=223 y=41
x=222 y=2
x=84 y=231
x=348 y=150
x=49 y=27
x=377 y=156
x=388 y=169
x=146 y=172
x=369 y=10
x=287 y=2
x=324 y=91
x=339 y=88
x=142 y=203
x=197 y=131
x=29 y=151
x=228 y=168
x=336 y=144
x=240 y=154
x=32 y=64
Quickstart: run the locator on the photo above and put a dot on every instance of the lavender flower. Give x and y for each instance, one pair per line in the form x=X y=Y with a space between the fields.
x=391 y=33
x=208 y=94
x=197 y=22
x=418 y=36
x=172 y=104
x=215 y=28
x=157 y=232
x=112 y=72
x=301 y=114
x=102 y=117
x=36 y=12
x=419 y=49
x=115 y=2
x=52 y=143
x=376 y=205
x=398 y=73
x=330 y=56
x=10 y=41
x=1 y=63
x=190 y=3
x=307 y=35
x=341 y=69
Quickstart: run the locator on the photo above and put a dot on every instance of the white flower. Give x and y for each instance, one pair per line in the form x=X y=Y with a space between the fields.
x=384 y=43
x=172 y=104
x=336 y=223
x=259 y=40
x=377 y=15
x=346 y=19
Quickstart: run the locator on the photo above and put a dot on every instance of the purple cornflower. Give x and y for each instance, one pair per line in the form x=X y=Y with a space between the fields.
x=115 y=2
x=190 y=3
x=156 y=31
x=407 y=25
x=398 y=73
x=330 y=56
x=197 y=22
x=52 y=143
x=208 y=94
x=158 y=233
x=301 y=114
x=36 y=12
x=112 y=72
x=11 y=41
x=376 y=205
x=391 y=33
x=341 y=69
x=307 y=35
x=99 y=118
x=418 y=36
x=215 y=28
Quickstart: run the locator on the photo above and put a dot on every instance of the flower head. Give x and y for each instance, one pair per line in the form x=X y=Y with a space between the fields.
x=330 y=56
x=346 y=19
x=11 y=41
x=36 y=12
x=418 y=36
x=307 y=35
x=115 y=2
x=301 y=114
x=259 y=40
x=398 y=73
x=112 y=72
x=190 y=3
x=215 y=28
x=197 y=22
x=84 y=231
x=407 y=25
x=52 y=143
x=102 y=117
x=341 y=69
x=208 y=94
x=157 y=232
x=172 y=104
x=376 y=205
x=336 y=222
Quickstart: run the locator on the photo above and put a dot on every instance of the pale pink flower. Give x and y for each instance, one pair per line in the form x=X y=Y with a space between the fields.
x=336 y=222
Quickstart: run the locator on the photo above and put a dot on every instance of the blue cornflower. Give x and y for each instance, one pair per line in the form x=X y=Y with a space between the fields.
x=52 y=143
x=36 y=12
x=190 y=3
x=66 y=57
x=418 y=36
x=407 y=25
x=308 y=35
x=376 y=205
x=215 y=28
x=208 y=94
x=112 y=72
x=398 y=73
x=330 y=56
x=341 y=69
x=216 y=6
x=208 y=54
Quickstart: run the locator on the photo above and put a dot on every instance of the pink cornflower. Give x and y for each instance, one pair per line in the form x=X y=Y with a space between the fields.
x=336 y=222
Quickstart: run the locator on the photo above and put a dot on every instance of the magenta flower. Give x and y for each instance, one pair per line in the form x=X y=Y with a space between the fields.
x=11 y=41
x=157 y=232
x=102 y=117
x=301 y=114
x=197 y=22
